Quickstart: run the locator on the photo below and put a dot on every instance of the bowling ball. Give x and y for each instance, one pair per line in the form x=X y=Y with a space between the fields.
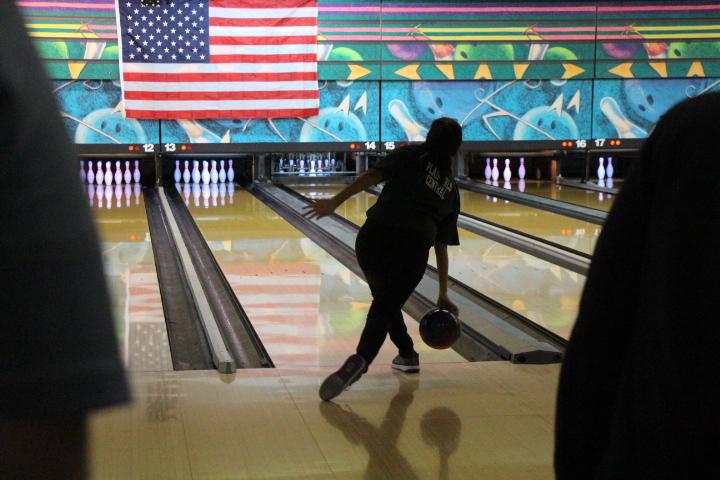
x=547 y=120
x=112 y=123
x=656 y=49
x=439 y=328
x=649 y=99
x=485 y=53
x=407 y=51
x=560 y=53
x=344 y=54
x=621 y=50
x=694 y=50
x=348 y=129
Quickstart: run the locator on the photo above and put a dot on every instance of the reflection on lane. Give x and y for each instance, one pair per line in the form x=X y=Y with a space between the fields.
x=119 y=213
x=543 y=292
x=560 y=229
x=564 y=193
x=306 y=307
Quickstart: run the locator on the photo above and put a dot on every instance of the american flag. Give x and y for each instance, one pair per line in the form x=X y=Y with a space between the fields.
x=198 y=59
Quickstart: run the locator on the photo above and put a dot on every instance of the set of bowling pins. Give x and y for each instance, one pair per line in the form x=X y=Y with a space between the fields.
x=315 y=164
x=602 y=171
x=209 y=174
x=107 y=176
x=103 y=195
x=493 y=173
x=210 y=194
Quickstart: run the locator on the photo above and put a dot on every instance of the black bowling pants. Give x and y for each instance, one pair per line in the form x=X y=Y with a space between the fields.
x=393 y=261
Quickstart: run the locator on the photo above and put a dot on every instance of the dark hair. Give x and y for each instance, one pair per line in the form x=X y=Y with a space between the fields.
x=444 y=140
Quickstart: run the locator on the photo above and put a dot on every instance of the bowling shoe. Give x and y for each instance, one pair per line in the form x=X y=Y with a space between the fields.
x=349 y=373
x=407 y=364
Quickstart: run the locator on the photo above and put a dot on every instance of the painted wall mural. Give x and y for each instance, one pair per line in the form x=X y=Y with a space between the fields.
x=632 y=108
x=509 y=71
x=349 y=112
x=90 y=111
x=510 y=110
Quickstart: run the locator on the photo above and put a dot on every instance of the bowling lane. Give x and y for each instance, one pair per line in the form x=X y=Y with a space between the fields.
x=563 y=230
x=567 y=194
x=119 y=213
x=545 y=293
x=560 y=229
x=307 y=308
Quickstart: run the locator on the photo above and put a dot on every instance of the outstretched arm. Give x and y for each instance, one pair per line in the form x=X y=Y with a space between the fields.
x=324 y=207
x=441 y=256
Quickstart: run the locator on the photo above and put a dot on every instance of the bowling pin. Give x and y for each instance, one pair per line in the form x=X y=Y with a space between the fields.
x=176 y=174
x=506 y=185
x=495 y=171
x=118 y=173
x=136 y=172
x=213 y=172
x=222 y=176
x=521 y=185
x=610 y=170
x=128 y=175
x=625 y=128
x=414 y=131
x=507 y=174
x=100 y=176
x=108 y=175
x=91 y=192
x=610 y=182
x=83 y=175
x=231 y=172
x=186 y=173
x=205 y=173
x=601 y=170
x=488 y=170
x=521 y=170
x=196 y=172
x=90 y=174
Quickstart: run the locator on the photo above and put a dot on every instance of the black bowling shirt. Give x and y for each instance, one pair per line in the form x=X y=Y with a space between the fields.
x=58 y=352
x=417 y=196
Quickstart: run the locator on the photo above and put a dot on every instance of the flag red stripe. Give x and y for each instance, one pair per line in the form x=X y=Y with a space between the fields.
x=263 y=22
x=220 y=77
x=276 y=58
x=254 y=95
x=262 y=4
x=236 y=114
x=288 y=40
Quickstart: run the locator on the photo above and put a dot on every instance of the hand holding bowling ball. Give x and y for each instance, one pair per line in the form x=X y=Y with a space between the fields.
x=439 y=328
x=445 y=303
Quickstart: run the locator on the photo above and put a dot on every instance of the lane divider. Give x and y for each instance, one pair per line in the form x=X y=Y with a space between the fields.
x=221 y=356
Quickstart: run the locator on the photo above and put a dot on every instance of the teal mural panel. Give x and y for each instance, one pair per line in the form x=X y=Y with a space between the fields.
x=89 y=109
x=349 y=112
x=631 y=108
x=488 y=111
